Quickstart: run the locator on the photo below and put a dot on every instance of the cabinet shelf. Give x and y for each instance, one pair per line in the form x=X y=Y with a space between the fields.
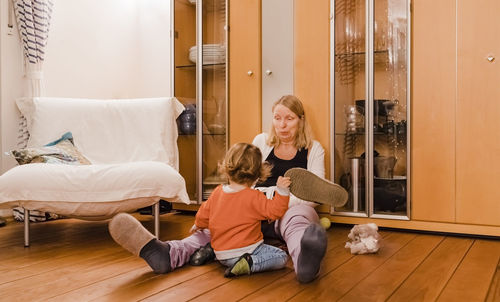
x=385 y=51
x=212 y=134
x=205 y=66
x=215 y=179
x=215 y=182
x=358 y=58
x=210 y=5
x=360 y=133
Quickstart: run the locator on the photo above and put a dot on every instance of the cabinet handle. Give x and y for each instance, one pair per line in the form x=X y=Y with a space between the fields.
x=269 y=72
x=250 y=73
x=490 y=58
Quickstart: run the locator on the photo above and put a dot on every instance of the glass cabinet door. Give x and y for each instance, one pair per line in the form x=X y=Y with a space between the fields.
x=370 y=95
x=214 y=92
x=200 y=48
x=349 y=93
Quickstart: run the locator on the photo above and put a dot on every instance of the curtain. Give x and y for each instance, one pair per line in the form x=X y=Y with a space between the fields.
x=33 y=22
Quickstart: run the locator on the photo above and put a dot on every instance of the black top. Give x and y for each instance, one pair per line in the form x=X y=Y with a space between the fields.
x=280 y=166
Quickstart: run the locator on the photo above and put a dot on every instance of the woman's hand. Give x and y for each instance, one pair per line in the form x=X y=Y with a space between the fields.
x=283 y=182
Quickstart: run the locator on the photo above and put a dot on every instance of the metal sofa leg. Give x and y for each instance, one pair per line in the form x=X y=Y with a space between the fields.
x=26 y=228
x=156 y=213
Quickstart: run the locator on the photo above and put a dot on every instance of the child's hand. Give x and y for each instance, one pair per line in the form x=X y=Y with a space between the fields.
x=283 y=182
x=194 y=229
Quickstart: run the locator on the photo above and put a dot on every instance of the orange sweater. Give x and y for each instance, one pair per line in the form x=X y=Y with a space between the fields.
x=234 y=218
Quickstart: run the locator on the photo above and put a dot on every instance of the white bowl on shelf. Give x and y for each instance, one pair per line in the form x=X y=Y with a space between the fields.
x=220 y=47
x=209 y=59
x=212 y=54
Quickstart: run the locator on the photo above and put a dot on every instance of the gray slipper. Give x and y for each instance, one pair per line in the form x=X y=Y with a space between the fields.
x=129 y=233
x=308 y=186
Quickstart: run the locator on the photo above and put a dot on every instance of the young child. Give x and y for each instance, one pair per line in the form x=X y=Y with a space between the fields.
x=233 y=214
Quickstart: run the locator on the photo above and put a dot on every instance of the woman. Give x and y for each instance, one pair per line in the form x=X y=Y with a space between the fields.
x=288 y=145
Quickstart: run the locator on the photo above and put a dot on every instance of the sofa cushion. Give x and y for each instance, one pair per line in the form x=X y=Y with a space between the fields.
x=61 y=151
x=77 y=190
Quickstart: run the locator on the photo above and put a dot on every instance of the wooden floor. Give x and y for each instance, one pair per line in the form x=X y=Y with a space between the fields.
x=74 y=260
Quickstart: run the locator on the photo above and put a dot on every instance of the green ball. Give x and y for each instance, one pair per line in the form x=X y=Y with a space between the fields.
x=325 y=223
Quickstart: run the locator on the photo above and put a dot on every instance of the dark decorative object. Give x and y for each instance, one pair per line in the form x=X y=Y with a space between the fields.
x=390 y=194
x=187 y=120
x=380 y=107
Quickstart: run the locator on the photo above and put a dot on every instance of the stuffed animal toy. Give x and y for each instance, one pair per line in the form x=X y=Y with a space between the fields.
x=364 y=239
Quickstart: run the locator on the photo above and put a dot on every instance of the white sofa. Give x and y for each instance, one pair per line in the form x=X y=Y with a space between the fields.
x=132 y=147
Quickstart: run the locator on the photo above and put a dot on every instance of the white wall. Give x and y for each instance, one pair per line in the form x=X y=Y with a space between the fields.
x=96 y=49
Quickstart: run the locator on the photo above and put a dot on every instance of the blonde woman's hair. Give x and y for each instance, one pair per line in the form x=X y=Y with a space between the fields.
x=303 y=137
x=243 y=164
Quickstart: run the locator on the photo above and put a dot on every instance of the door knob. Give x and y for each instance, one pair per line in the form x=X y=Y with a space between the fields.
x=269 y=72
x=250 y=73
x=490 y=58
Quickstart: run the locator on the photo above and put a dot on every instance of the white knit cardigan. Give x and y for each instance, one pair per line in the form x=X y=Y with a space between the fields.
x=315 y=164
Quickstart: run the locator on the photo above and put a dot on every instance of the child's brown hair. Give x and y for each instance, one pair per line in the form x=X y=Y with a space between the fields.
x=243 y=164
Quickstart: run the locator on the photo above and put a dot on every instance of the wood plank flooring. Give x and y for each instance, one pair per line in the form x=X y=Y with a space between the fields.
x=76 y=260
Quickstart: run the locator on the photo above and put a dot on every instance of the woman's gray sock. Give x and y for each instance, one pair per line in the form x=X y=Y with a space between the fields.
x=157 y=255
x=312 y=250
x=135 y=238
x=129 y=233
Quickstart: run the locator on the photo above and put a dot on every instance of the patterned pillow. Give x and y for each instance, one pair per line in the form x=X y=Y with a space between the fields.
x=61 y=151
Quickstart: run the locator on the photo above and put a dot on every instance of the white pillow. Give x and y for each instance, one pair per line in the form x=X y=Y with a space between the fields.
x=107 y=131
